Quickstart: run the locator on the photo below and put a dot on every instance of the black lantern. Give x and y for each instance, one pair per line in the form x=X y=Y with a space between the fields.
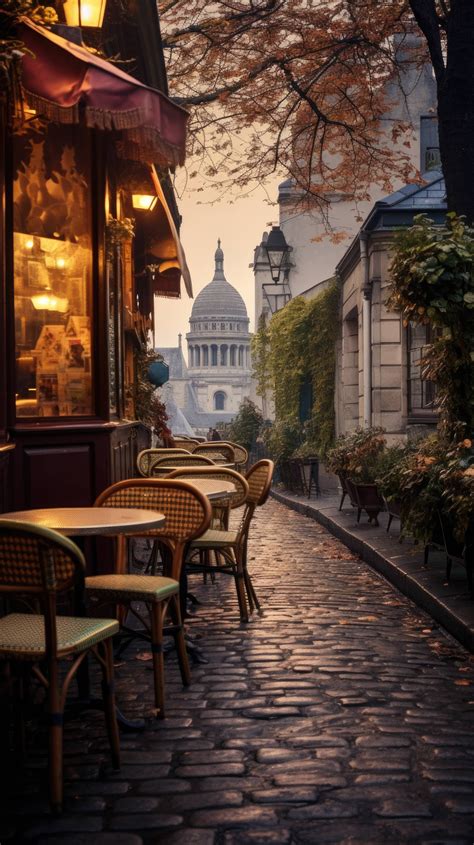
x=277 y=250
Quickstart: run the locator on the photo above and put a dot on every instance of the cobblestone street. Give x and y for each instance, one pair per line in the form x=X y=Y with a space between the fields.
x=341 y=715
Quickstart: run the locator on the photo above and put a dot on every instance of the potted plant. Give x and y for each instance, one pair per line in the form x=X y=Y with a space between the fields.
x=354 y=460
x=388 y=478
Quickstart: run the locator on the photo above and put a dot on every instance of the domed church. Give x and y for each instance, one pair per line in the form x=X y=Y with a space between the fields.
x=218 y=375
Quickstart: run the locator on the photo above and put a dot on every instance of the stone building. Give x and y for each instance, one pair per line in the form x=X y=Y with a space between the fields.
x=211 y=386
x=378 y=373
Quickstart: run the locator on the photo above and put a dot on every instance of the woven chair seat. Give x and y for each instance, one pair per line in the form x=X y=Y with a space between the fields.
x=22 y=635
x=214 y=539
x=131 y=587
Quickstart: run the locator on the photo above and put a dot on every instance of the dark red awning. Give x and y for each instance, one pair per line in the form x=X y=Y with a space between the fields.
x=68 y=84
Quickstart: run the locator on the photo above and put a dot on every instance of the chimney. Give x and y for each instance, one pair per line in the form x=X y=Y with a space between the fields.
x=180 y=337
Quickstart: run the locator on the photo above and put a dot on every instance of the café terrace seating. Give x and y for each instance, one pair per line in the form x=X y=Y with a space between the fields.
x=159 y=467
x=187 y=515
x=231 y=545
x=146 y=457
x=36 y=565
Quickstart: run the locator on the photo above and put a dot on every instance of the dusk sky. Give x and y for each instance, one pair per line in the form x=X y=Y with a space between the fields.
x=240 y=226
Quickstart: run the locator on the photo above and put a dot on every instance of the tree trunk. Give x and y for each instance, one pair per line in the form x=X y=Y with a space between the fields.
x=456 y=110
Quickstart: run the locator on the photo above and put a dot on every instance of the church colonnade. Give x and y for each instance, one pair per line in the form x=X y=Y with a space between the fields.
x=219 y=355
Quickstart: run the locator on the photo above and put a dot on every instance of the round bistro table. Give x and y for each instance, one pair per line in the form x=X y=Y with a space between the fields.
x=85 y=522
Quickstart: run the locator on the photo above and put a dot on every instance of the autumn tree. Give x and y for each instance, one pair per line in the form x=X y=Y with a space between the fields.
x=302 y=87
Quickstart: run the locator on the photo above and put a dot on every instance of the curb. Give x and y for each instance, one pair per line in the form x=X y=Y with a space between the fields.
x=457 y=620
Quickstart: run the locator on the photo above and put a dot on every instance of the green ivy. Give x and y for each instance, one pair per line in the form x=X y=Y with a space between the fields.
x=299 y=344
x=432 y=281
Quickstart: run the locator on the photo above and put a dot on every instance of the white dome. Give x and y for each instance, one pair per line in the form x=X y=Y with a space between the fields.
x=219 y=299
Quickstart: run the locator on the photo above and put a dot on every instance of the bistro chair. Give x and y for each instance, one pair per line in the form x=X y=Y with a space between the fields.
x=146 y=457
x=188 y=515
x=185 y=443
x=36 y=564
x=174 y=461
x=241 y=456
x=216 y=450
x=232 y=545
x=220 y=509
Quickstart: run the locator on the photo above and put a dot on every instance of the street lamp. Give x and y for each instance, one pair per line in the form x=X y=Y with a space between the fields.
x=277 y=251
x=84 y=12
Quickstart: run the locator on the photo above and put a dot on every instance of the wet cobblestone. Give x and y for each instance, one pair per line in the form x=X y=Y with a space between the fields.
x=341 y=715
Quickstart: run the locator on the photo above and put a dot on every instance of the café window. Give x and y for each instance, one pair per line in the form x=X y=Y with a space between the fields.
x=421 y=392
x=52 y=257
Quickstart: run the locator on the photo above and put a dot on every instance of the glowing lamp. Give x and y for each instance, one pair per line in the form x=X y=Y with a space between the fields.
x=144 y=202
x=29 y=244
x=50 y=302
x=60 y=263
x=84 y=12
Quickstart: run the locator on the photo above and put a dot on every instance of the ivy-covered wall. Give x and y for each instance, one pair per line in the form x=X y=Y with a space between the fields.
x=297 y=346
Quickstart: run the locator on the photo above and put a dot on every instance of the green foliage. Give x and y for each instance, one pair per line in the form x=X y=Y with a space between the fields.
x=246 y=426
x=149 y=408
x=357 y=454
x=435 y=475
x=299 y=344
x=284 y=437
x=432 y=275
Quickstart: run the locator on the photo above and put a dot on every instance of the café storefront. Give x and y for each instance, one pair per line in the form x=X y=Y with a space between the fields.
x=87 y=239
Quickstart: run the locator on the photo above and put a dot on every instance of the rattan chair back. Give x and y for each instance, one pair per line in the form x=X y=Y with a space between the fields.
x=241 y=456
x=175 y=461
x=185 y=443
x=215 y=449
x=37 y=560
x=146 y=457
x=186 y=509
x=259 y=478
x=221 y=474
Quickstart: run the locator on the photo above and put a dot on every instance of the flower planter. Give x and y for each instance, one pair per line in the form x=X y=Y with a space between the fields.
x=369 y=500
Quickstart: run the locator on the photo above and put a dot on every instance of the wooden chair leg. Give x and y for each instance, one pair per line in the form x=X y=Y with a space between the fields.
x=180 y=641
x=55 y=742
x=344 y=494
x=108 y=693
x=157 y=613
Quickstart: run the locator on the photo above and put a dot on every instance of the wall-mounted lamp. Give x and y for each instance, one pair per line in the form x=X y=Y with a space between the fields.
x=277 y=251
x=84 y=13
x=144 y=202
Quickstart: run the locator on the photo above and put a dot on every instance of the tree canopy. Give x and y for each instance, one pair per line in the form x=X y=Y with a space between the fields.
x=301 y=86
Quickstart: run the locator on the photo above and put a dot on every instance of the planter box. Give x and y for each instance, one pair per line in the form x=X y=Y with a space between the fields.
x=369 y=500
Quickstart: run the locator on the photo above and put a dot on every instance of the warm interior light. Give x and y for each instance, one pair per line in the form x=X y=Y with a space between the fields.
x=145 y=202
x=29 y=244
x=60 y=263
x=50 y=302
x=84 y=12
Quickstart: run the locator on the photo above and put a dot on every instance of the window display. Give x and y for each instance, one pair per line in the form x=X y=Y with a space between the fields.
x=53 y=274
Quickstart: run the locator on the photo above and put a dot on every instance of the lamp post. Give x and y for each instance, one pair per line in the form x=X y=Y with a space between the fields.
x=277 y=251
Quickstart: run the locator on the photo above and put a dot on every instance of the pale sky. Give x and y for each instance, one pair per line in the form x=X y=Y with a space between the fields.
x=240 y=226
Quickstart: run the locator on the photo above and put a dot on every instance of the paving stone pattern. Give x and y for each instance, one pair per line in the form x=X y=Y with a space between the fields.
x=343 y=714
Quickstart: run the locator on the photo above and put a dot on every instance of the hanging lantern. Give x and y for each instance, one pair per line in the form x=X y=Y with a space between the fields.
x=144 y=202
x=84 y=13
x=277 y=251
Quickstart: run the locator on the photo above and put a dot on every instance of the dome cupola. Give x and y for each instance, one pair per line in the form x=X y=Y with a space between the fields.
x=219 y=300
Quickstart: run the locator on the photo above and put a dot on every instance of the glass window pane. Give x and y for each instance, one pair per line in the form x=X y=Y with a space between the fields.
x=53 y=273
